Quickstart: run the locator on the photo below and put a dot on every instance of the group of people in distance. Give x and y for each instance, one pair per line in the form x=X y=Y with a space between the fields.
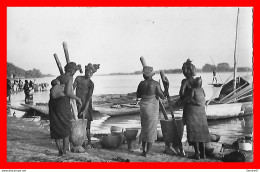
x=27 y=87
x=148 y=92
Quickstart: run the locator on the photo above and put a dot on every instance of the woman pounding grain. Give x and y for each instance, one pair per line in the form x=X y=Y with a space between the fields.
x=60 y=110
x=149 y=91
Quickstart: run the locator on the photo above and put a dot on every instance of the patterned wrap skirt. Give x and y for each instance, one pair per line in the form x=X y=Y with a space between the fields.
x=149 y=111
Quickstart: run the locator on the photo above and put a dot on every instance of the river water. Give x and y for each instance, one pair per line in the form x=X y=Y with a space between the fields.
x=229 y=130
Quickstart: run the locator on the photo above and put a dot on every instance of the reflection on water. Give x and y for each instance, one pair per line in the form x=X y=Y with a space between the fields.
x=232 y=129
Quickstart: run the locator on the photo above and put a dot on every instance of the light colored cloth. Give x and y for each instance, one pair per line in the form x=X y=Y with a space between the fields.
x=148 y=71
x=57 y=91
x=149 y=111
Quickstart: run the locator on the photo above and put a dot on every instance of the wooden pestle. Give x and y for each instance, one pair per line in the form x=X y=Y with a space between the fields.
x=163 y=77
x=58 y=63
x=160 y=102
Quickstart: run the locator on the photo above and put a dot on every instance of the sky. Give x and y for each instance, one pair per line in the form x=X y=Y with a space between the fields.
x=116 y=37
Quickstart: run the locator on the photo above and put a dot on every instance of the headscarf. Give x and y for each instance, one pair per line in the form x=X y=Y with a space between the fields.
x=188 y=69
x=92 y=67
x=71 y=65
x=148 y=71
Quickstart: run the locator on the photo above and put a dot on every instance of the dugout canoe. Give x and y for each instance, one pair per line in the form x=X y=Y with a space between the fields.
x=44 y=109
x=118 y=110
x=19 y=108
x=213 y=112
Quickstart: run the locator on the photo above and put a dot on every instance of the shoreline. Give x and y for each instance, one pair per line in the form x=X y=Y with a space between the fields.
x=29 y=140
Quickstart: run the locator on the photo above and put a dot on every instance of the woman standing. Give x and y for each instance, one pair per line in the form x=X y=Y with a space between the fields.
x=193 y=115
x=189 y=71
x=149 y=91
x=197 y=125
x=60 y=110
x=84 y=89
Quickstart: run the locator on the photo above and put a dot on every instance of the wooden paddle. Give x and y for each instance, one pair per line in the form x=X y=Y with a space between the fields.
x=160 y=102
x=58 y=63
x=163 y=77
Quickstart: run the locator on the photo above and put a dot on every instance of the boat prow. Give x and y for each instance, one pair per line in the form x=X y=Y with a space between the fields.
x=216 y=85
x=19 y=108
x=40 y=108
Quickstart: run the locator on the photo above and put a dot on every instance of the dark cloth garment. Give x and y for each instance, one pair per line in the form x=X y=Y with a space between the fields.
x=197 y=125
x=60 y=117
x=149 y=112
x=83 y=90
x=199 y=96
x=187 y=94
x=9 y=87
x=26 y=89
x=194 y=116
x=60 y=113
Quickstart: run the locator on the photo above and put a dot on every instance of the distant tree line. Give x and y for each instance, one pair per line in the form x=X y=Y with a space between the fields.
x=16 y=72
x=224 y=67
x=221 y=67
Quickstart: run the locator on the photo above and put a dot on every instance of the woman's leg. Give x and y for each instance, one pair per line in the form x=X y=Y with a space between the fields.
x=196 y=147
x=65 y=144
x=144 y=148
x=202 y=153
x=149 y=147
x=59 y=147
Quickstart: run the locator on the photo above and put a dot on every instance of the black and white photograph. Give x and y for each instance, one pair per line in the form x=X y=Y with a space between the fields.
x=130 y=84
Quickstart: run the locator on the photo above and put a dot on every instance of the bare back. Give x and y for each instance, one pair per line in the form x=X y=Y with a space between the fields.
x=149 y=87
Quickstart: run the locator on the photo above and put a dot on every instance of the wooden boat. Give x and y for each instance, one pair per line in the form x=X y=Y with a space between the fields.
x=239 y=89
x=19 y=108
x=39 y=108
x=120 y=111
x=213 y=112
x=216 y=85
x=223 y=111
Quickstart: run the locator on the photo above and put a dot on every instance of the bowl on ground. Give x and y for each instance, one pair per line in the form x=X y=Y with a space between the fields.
x=131 y=133
x=111 y=141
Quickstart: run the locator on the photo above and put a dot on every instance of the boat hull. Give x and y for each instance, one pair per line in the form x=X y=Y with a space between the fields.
x=213 y=112
x=40 y=108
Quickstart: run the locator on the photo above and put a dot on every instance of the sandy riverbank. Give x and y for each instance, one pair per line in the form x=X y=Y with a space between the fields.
x=29 y=141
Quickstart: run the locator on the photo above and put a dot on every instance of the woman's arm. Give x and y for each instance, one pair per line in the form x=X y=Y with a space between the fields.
x=75 y=83
x=69 y=92
x=159 y=91
x=85 y=106
x=191 y=100
x=138 y=92
x=182 y=89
